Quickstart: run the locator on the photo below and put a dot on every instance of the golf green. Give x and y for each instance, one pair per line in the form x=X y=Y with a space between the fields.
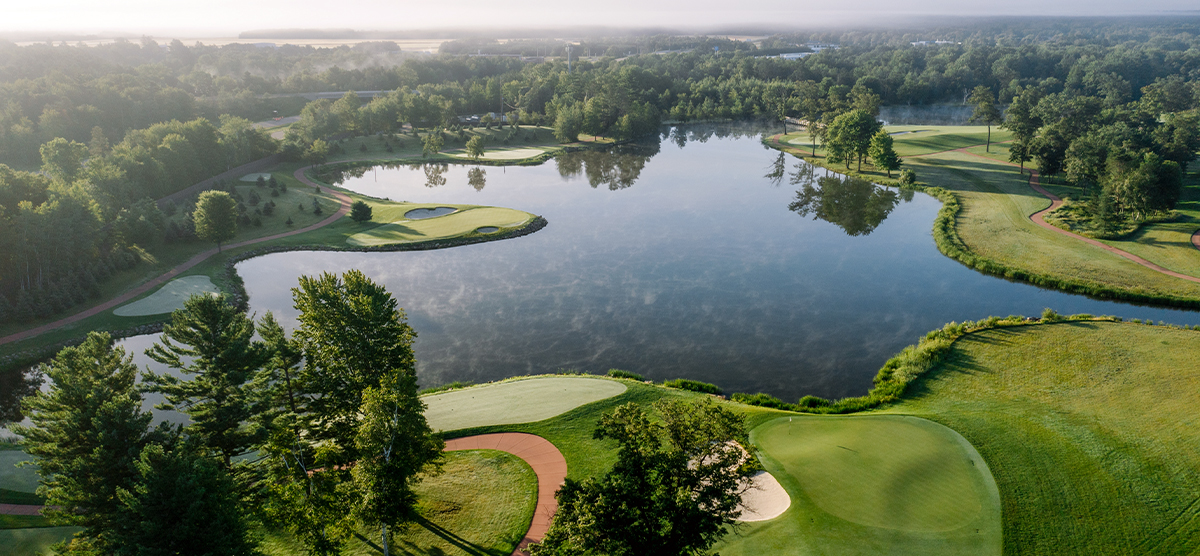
x=168 y=298
x=465 y=220
x=517 y=401
x=874 y=484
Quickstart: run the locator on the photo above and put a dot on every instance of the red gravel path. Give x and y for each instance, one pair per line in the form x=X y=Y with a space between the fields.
x=547 y=462
x=154 y=283
x=19 y=509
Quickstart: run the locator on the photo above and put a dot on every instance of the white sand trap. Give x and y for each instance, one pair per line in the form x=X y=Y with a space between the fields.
x=254 y=177
x=765 y=499
x=510 y=154
x=168 y=298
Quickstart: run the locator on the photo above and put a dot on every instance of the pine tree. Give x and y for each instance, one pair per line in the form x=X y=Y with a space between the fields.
x=87 y=431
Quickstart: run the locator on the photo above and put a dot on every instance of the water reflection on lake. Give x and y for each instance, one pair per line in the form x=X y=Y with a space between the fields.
x=673 y=259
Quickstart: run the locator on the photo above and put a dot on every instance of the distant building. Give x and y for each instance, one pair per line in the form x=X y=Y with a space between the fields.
x=933 y=43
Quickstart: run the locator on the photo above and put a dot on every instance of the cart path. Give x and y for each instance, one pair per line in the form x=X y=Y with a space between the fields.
x=547 y=463
x=20 y=509
x=1039 y=218
x=199 y=258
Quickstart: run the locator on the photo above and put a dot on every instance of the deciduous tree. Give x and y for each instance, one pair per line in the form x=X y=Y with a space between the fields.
x=215 y=217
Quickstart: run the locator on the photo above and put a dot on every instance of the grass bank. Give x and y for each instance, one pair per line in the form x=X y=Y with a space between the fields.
x=984 y=222
x=1089 y=429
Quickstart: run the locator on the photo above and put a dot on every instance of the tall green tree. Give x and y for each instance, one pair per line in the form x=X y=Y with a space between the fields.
x=882 y=154
x=676 y=486
x=849 y=136
x=212 y=343
x=985 y=111
x=395 y=444
x=475 y=147
x=215 y=217
x=360 y=212
x=86 y=433
x=568 y=123
x=433 y=143
x=63 y=159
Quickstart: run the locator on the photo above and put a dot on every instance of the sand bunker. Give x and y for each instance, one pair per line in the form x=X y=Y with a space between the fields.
x=509 y=154
x=423 y=213
x=168 y=298
x=487 y=229
x=765 y=499
x=254 y=177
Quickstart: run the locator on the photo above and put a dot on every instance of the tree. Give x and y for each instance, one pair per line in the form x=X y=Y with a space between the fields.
x=395 y=444
x=87 y=431
x=360 y=212
x=317 y=152
x=568 y=123
x=908 y=177
x=676 y=486
x=355 y=396
x=882 y=154
x=849 y=136
x=433 y=143
x=985 y=110
x=212 y=341
x=182 y=504
x=475 y=147
x=215 y=217
x=63 y=159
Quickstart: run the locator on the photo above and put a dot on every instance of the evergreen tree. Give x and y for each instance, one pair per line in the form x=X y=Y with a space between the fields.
x=87 y=431
x=360 y=212
x=212 y=342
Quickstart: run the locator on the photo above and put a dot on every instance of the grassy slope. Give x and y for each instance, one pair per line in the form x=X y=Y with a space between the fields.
x=872 y=484
x=30 y=542
x=482 y=503
x=1089 y=429
x=997 y=201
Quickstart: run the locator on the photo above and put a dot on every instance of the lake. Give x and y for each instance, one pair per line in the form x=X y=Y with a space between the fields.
x=702 y=256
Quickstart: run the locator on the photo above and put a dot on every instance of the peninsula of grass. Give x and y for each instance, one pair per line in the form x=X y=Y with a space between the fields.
x=508 y=402
x=985 y=222
x=1089 y=428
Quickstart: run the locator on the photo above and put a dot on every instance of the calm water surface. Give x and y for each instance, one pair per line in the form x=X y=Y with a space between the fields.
x=704 y=256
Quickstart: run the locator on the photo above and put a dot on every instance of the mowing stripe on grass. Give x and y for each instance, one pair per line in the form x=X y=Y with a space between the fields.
x=518 y=401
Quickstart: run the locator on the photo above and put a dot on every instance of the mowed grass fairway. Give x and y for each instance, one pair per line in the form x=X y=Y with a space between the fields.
x=873 y=484
x=481 y=504
x=168 y=298
x=910 y=140
x=1090 y=429
x=390 y=225
x=517 y=401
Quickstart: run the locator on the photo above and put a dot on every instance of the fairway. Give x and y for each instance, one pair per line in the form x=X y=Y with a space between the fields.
x=33 y=542
x=465 y=220
x=24 y=479
x=254 y=177
x=919 y=140
x=518 y=401
x=874 y=484
x=1089 y=427
x=168 y=298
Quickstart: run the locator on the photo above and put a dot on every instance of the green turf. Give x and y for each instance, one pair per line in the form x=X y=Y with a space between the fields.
x=390 y=226
x=31 y=542
x=926 y=139
x=22 y=521
x=481 y=504
x=168 y=298
x=1090 y=429
x=872 y=485
x=517 y=401
x=9 y=496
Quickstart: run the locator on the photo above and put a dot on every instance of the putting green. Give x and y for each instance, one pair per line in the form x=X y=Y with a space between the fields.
x=500 y=154
x=168 y=298
x=254 y=177
x=518 y=401
x=875 y=484
x=466 y=220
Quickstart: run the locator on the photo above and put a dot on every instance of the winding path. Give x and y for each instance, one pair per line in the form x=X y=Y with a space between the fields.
x=199 y=258
x=547 y=463
x=1039 y=218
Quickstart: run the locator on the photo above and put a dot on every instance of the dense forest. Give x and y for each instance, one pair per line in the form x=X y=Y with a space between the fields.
x=90 y=135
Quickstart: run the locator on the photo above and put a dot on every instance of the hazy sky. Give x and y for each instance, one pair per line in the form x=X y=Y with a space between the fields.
x=225 y=17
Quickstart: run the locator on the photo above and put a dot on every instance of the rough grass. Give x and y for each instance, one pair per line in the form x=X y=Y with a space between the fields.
x=23 y=521
x=20 y=479
x=1088 y=427
x=481 y=504
x=391 y=227
x=872 y=485
x=517 y=401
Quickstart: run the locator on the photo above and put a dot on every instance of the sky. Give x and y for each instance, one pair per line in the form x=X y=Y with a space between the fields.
x=229 y=17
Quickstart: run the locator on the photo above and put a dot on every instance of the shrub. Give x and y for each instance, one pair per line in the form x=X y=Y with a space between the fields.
x=761 y=400
x=810 y=402
x=456 y=385
x=289 y=222
x=360 y=212
x=618 y=373
x=1050 y=315
x=908 y=177
x=693 y=385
